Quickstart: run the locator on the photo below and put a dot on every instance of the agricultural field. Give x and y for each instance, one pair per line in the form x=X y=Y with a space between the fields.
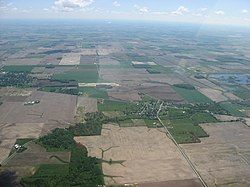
x=52 y=107
x=224 y=154
x=141 y=151
x=82 y=74
x=20 y=68
x=114 y=104
x=109 y=105
x=192 y=95
x=233 y=109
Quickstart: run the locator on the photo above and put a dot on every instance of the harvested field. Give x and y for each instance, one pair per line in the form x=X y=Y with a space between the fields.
x=223 y=158
x=214 y=95
x=52 y=106
x=231 y=96
x=174 y=183
x=168 y=79
x=14 y=98
x=161 y=91
x=12 y=91
x=124 y=94
x=124 y=76
x=70 y=59
x=10 y=132
x=89 y=104
x=145 y=155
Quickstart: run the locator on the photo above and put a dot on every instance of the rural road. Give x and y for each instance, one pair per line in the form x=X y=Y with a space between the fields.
x=180 y=149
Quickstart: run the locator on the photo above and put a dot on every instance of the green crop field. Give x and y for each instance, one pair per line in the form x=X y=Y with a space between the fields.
x=233 y=109
x=109 y=105
x=83 y=74
x=192 y=96
x=184 y=131
x=23 y=68
x=198 y=118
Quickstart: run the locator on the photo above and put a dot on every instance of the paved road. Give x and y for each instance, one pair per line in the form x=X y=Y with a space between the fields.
x=180 y=149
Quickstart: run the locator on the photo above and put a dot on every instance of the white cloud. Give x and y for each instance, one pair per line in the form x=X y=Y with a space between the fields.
x=220 y=12
x=203 y=9
x=116 y=4
x=180 y=11
x=71 y=5
x=244 y=11
x=142 y=10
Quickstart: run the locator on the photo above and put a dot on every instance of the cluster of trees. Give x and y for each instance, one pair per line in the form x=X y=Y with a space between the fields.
x=61 y=139
x=63 y=90
x=16 y=79
x=83 y=169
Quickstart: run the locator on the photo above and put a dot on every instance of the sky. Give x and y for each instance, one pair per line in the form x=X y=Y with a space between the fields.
x=229 y=12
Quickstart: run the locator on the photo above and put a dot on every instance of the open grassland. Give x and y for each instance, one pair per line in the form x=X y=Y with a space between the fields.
x=191 y=95
x=222 y=159
x=82 y=74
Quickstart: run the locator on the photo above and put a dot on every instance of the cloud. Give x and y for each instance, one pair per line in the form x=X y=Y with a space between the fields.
x=142 y=10
x=116 y=4
x=220 y=12
x=203 y=9
x=7 y=7
x=180 y=11
x=71 y=5
x=244 y=11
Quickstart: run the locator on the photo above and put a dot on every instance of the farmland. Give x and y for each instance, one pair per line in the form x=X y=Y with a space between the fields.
x=192 y=96
x=93 y=104
x=85 y=74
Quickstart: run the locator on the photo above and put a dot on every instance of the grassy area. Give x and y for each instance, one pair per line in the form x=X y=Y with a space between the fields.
x=109 y=105
x=233 y=109
x=23 y=68
x=94 y=92
x=192 y=96
x=83 y=74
